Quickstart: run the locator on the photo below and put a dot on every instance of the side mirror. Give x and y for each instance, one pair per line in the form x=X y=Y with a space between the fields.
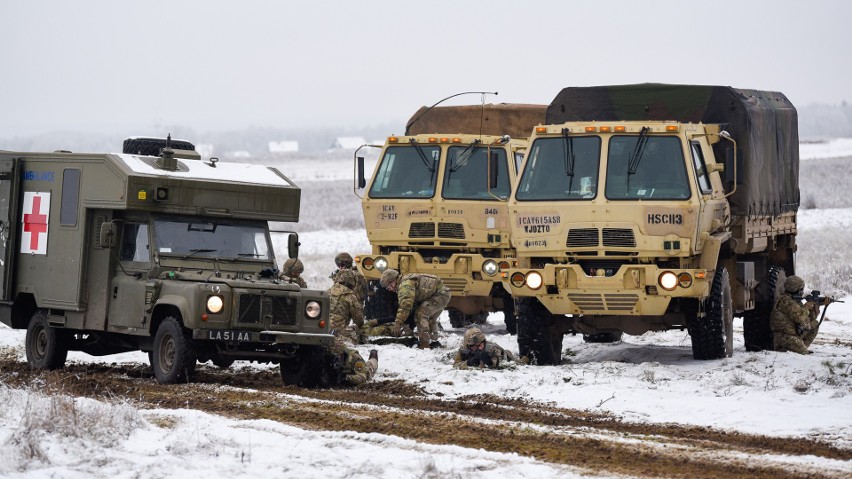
x=293 y=245
x=362 y=182
x=107 y=234
x=492 y=170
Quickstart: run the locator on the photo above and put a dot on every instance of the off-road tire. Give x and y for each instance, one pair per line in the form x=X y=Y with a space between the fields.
x=152 y=146
x=174 y=355
x=380 y=302
x=47 y=347
x=308 y=368
x=713 y=336
x=607 y=337
x=756 y=323
x=536 y=340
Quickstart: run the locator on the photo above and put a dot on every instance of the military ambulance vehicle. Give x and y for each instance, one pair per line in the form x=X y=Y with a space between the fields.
x=654 y=207
x=107 y=253
x=436 y=204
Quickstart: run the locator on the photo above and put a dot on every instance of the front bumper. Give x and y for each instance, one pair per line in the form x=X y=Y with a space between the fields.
x=633 y=290
x=264 y=337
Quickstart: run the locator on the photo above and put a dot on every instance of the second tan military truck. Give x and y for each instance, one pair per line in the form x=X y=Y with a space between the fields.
x=437 y=200
x=654 y=207
x=156 y=250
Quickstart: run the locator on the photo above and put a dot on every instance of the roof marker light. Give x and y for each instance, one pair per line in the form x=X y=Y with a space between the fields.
x=591 y=129
x=620 y=129
x=606 y=129
x=672 y=128
x=541 y=129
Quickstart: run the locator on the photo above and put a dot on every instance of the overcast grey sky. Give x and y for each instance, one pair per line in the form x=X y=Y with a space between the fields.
x=107 y=64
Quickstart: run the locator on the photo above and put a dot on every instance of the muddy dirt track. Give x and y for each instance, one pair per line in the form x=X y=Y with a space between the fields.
x=595 y=443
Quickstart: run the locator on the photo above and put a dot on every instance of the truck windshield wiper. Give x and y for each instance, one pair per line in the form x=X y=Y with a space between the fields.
x=193 y=251
x=633 y=164
x=464 y=156
x=568 y=153
x=429 y=166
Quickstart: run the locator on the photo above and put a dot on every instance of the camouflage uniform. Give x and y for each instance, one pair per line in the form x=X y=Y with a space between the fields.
x=355 y=370
x=372 y=328
x=786 y=315
x=794 y=325
x=427 y=296
x=360 y=288
x=343 y=306
x=489 y=356
x=291 y=272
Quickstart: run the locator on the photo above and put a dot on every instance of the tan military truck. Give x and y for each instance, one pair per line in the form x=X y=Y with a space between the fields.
x=654 y=207
x=437 y=201
x=169 y=254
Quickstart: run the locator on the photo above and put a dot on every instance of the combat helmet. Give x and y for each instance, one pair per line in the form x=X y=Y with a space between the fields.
x=343 y=260
x=346 y=278
x=292 y=267
x=793 y=284
x=473 y=337
x=388 y=276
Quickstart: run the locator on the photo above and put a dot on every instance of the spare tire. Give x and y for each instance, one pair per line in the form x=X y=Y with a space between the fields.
x=152 y=146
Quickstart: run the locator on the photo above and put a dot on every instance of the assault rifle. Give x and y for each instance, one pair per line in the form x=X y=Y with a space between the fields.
x=480 y=357
x=814 y=297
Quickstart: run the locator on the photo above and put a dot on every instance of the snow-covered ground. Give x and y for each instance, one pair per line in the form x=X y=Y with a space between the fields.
x=650 y=378
x=835 y=148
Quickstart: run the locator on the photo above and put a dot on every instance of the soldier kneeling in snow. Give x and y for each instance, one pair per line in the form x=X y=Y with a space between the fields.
x=475 y=351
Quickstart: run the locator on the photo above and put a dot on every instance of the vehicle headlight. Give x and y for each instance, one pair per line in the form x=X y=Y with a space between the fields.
x=215 y=304
x=367 y=264
x=381 y=263
x=490 y=267
x=668 y=280
x=684 y=280
x=313 y=309
x=534 y=280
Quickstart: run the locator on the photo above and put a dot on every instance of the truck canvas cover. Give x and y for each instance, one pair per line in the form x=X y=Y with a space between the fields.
x=763 y=123
x=514 y=119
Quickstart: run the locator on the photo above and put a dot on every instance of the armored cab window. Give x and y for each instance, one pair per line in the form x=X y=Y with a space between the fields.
x=700 y=168
x=653 y=170
x=70 y=197
x=519 y=160
x=466 y=174
x=134 y=243
x=561 y=168
x=407 y=172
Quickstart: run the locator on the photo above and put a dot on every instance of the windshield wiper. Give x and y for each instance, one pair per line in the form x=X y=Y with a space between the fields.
x=464 y=156
x=633 y=164
x=429 y=167
x=193 y=251
x=568 y=153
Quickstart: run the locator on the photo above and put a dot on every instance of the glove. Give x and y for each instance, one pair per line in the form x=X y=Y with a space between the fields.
x=473 y=360
x=396 y=329
x=372 y=323
x=826 y=300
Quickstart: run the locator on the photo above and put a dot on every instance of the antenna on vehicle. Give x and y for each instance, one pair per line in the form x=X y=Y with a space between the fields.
x=483 y=93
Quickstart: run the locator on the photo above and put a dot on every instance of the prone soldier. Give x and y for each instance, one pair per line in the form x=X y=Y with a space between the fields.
x=475 y=351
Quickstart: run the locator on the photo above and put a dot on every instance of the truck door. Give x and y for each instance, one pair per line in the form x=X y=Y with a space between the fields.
x=128 y=285
x=9 y=182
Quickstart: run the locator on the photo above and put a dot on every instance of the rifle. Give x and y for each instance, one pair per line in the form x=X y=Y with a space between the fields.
x=480 y=357
x=814 y=297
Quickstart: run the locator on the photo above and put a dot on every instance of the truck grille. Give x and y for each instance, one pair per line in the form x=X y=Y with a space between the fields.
x=582 y=238
x=421 y=230
x=268 y=310
x=619 y=237
x=455 y=284
x=451 y=230
x=606 y=302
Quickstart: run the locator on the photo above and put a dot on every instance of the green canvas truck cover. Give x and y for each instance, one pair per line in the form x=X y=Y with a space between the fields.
x=763 y=123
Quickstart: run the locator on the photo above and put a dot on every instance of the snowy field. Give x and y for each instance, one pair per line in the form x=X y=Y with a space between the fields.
x=645 y=379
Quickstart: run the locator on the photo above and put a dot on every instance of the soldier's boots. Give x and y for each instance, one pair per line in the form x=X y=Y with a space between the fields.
x=374 y=354
x=372 y=323
x=436 y=344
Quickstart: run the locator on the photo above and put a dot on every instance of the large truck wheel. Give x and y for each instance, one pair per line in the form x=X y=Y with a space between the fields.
x=460 y=320
x=47 y=347
x=756 y=328
x=174 y=355
x=713 y=335
x=536 y=339
x=152 y=146
x=308 y=368
x=509 y=316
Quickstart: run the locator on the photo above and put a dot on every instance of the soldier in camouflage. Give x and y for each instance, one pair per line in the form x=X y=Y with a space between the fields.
x=292 y=272
x=345 y=309
x=475 y=351
x=794 y=325
x=354 y=370
x=344 y=262
x=424 y=294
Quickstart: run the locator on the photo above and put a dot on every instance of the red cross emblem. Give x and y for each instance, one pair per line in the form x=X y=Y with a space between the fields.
x=35 y=223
